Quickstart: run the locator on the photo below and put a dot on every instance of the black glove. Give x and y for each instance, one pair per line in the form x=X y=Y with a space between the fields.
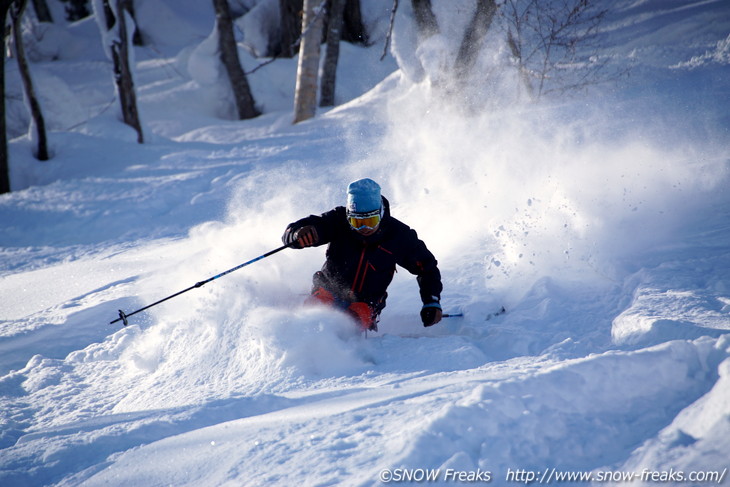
x=305 y=236
x=431 y=314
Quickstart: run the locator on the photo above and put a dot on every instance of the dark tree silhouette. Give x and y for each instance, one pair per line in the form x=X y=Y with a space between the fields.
x=228 y=52
x=119 y=49
x=329 y=74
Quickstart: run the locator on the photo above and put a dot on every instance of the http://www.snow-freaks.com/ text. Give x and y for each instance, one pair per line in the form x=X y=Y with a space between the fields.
x=549 y=476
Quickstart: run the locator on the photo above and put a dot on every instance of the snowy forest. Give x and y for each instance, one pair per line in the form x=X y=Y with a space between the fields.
x=566 y=161
x=543 y=38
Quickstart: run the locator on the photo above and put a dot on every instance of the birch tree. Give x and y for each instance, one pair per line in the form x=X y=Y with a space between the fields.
x=305 y=94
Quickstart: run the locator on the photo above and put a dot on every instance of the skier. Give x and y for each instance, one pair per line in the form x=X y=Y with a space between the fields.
x=364 y=245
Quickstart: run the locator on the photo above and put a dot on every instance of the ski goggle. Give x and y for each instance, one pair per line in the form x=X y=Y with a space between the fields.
x=369 y=220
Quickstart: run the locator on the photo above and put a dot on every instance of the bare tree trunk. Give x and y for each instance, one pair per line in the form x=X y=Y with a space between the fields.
x=425 y=19
x=329 y=76
x=137 y=39
x=228 y=52
x=290 y=25
x=524 y=73
x=474 y=35
x=76 y=9
x=305 y=95
x=109 y=17
x=4 y=165
x=16 y=13
x=122 y=71
x=42 y=11
x=353 y=29
x=125 y=82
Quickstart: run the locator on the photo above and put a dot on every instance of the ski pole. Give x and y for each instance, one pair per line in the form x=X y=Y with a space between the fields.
x=459 y=314
x=123 y=316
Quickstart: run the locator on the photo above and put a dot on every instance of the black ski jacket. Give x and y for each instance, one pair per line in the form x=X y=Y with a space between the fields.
x=361 y=268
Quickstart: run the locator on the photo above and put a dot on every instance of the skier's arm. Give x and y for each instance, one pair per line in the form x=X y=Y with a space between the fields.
x=423 y=264
x=311 y=231
x=429 y=280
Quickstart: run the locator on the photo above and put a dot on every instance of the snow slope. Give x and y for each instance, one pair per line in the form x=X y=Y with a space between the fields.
x=601 y=222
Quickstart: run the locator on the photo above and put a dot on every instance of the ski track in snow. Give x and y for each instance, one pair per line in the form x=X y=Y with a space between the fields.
x=602 y=228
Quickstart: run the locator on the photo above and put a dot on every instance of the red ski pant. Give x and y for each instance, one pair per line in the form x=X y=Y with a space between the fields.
x=362 y=312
